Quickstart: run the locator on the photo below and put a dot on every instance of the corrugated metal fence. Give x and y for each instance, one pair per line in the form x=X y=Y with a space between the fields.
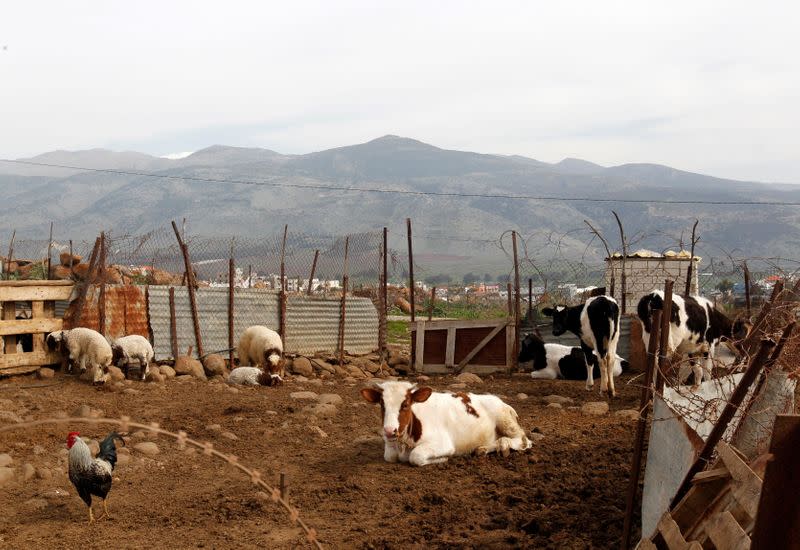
x=312 y=323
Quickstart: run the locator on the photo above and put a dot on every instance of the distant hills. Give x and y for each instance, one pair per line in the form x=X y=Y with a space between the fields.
x=83 y=202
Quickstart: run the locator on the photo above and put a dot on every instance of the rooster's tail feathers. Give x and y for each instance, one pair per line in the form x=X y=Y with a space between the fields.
x=108 y=451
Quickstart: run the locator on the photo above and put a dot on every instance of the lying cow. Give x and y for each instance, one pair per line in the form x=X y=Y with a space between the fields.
x=696 y=328
x=422 y=427
x=596 y=323
x=556 y=361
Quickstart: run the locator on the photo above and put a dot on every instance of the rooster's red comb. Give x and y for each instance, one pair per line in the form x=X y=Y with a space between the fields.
x=75 y=434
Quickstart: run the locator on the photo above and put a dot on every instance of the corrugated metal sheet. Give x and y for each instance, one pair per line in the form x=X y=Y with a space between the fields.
x=126 y=310
x=312 y=324
x=252 y=306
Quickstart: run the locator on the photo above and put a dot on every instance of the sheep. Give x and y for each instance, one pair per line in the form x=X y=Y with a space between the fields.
x=422 y=427
x=252 y=376
x=86 y=347
x=132 y=348
x=262 y=346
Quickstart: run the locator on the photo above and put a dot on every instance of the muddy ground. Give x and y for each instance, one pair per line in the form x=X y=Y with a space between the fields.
x=567 y=492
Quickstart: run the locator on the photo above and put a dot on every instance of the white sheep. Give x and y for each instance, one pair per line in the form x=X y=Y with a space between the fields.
x=262 y=347
x=86 y=347
x=252 y=376
x=133 y=348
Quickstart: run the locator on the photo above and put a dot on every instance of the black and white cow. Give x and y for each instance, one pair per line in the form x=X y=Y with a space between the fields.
x=696 y=328
x=556 y=361
x=596 y=323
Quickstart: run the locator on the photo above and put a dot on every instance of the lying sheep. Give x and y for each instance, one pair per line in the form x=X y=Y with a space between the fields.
x=85 y=347
x=132 y=348
x=261 y=346
x=252 y=376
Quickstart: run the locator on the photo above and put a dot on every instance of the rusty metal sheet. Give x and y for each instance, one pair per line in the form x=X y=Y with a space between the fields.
x=126 y=310
x=312 y=324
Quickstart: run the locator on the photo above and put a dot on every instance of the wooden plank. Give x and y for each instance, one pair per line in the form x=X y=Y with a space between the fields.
x=34 y=283
x=18 y=370
x=747 y=486
x=9 y=342
x=646 y=544
x=711 y=475
x=726 y=533
x=419 y=351
x=450 y=348
x=34 y=358
x=482 y=344
x=37 y=312
x=511 y=332
x=441 y=324
x=778 y=521
x=24 y=294
x=30 y=326
x=672 y=535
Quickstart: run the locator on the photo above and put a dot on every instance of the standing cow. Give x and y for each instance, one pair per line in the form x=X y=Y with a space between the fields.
x=596 y=323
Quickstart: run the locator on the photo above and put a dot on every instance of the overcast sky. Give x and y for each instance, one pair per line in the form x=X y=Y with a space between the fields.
x=712 y=87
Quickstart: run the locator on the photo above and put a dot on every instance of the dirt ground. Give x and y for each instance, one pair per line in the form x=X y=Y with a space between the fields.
x=567 y=492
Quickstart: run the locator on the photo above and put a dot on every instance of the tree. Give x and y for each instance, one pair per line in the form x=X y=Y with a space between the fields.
x=471 y=278
x=724 y=286
x=438 y=279
x=487 y=278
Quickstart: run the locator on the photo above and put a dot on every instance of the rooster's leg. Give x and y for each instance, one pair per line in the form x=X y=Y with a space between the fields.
x=105 y=510
x=91 y=515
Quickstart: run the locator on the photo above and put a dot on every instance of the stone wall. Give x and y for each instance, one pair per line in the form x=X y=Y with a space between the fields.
x=647 y=274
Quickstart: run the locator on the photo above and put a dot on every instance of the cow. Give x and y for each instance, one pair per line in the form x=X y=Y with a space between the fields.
x=696 y=327
x=422 y=427
x=556 y=361
x=596 y=324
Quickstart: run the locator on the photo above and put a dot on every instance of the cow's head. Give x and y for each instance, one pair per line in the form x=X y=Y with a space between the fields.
x=531 y=348
x=396 y=399
x=559 y=315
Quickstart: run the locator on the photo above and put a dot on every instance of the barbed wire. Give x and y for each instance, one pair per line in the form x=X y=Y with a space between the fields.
x=125 y=424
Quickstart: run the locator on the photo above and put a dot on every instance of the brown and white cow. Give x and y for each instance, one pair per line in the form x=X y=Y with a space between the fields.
x=422 y=427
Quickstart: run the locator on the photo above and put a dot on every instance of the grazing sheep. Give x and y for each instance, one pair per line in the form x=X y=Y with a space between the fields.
x=262 y=346
x=132 y=348
x=252 y=376
x=84 y=347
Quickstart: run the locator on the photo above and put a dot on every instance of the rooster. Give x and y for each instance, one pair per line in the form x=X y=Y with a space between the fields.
x=92 y=476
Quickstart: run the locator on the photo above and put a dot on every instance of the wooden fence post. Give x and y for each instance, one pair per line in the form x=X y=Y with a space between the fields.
x=663 y=352
x=641 y=427
x=430 y=305
x=747 y=290
x=72 y=318
x=517 y=312
x=49 y=252
x=384 y=298
x=530 y=301
x=343 y=309
x=191 y=284
x=411 y=271
x=313 y=270
x=10 y=255
x=101 y=300
x=231 y=275
x=282 y=295
x=173 y=323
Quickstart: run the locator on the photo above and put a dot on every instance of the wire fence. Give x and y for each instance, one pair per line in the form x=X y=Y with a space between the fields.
x=471 y=273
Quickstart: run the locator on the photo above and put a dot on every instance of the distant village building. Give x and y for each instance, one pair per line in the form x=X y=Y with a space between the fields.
x=646 y=271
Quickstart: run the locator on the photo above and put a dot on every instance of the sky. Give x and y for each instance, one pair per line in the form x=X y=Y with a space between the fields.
x=711 y=87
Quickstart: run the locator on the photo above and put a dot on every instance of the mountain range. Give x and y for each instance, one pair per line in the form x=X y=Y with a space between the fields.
x=236 y=191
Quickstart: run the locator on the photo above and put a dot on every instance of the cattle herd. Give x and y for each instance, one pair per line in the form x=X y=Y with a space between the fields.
x=421 y=426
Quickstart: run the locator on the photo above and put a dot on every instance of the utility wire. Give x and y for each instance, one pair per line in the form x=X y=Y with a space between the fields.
x=404 y=191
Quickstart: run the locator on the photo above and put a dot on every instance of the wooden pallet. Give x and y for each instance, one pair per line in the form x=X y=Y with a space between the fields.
x=42 y=296
x=719 y=510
